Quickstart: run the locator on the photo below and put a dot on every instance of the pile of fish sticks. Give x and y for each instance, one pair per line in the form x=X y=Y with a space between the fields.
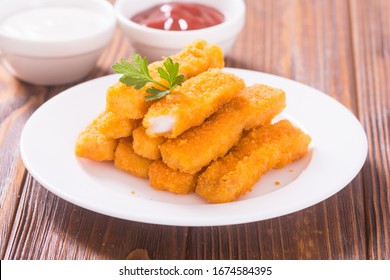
x=213 y=135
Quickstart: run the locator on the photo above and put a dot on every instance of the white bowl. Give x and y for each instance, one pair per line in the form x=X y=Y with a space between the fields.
x=155 y=43
x=56 y=59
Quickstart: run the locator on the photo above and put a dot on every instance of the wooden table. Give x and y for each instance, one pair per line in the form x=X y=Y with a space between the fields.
x=341 y=47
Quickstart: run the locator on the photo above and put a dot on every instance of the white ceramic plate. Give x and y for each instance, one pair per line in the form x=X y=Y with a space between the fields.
x=337 y=152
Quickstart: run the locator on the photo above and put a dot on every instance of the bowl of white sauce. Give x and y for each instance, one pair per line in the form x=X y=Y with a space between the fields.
x=51 y=42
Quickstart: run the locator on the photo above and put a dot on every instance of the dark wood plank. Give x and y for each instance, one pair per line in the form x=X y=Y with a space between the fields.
x=18 y=101
x=371 y=41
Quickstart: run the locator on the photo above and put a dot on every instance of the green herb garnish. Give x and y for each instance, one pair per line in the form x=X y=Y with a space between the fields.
x=137 y=74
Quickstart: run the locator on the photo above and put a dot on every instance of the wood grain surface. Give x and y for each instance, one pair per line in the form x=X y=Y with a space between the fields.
x=341 y=47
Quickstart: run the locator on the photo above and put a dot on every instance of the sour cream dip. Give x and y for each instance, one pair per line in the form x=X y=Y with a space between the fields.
x=47 y=42
x=53 y=24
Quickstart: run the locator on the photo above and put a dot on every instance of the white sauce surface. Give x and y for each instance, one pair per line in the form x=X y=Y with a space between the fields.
x=53 y=23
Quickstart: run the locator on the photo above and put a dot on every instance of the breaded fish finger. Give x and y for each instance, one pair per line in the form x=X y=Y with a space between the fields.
x=114 y=126
x=94 y=145
x=198 y=146
x=190 y=104
x=162 y=177
x=260 y=150
x=146 y=146
x=264 y=103
x=128 y=161
x=126 y=101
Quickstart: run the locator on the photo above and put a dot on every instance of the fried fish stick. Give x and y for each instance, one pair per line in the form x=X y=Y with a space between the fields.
x=114 y=126
x=126 y=101
x=130 y=162
x=198 y=57
x=146 y=146
x=94 y=145
x=162 y=177
x=264 y=103
x=260 y=150
x=198 y=146
x=190 y=104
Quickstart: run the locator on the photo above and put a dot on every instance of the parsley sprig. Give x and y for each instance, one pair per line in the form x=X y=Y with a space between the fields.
x=136 y=73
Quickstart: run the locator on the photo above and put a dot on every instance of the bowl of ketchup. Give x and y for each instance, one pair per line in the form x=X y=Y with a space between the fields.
x=157 y=28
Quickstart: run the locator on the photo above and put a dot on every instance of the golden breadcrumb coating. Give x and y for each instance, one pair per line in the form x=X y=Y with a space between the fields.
x=257 y=152
x=126 y=101
x=198 y=146
x=190 y=104
x=127 y=160
x=264 y=103
x=94 y=145
x=146 y=146
x=114 y=126
x=161 y=177
x=198 y=57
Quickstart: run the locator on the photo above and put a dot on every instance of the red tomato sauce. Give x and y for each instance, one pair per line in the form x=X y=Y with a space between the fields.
x=179 y=16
